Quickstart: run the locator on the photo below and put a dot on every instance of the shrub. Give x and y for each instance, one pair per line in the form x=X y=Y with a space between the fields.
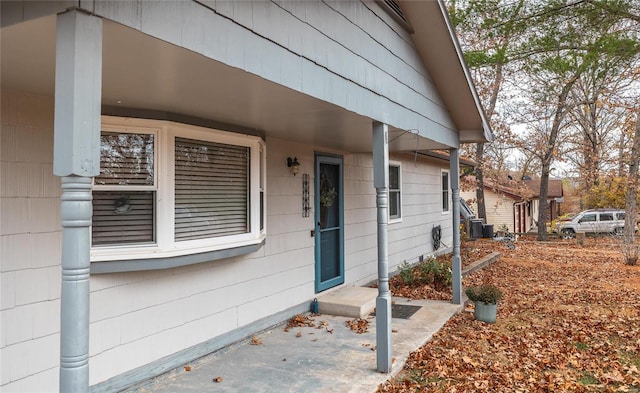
x=485 y=293
x=406 y=272
x=428 y=272
x=434 y=273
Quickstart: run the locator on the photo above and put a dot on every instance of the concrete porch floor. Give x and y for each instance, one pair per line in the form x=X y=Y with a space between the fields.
x=328 y=357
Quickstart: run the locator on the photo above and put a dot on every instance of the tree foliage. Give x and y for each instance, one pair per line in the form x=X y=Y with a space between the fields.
x=571 y=85
x=489 y=28
x=609 y=193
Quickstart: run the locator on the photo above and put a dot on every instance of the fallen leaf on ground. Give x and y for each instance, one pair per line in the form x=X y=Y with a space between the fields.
x=255 y=341
x=299 y=320
x=358 y=325
x=569 y=321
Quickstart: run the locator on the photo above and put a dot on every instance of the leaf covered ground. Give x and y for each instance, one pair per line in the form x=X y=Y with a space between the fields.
x=569 y=321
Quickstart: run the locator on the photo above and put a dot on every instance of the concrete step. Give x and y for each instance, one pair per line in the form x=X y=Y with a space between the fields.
x=353 y=302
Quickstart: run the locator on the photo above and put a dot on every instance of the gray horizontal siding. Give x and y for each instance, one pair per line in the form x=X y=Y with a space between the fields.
x=343 y=52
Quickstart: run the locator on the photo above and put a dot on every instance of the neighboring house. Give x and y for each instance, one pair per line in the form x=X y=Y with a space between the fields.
x=516 y=207
x=555 y=196
x=502 y=204
x=149 y=211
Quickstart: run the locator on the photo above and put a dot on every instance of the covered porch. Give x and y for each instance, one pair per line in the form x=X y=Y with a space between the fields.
x=97 y=66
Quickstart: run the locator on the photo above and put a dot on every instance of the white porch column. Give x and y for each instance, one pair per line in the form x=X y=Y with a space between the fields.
x=77 y=160
x=456 y=262
x=383 y=301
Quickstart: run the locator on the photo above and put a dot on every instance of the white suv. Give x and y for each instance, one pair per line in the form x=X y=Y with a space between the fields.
x=593 y=221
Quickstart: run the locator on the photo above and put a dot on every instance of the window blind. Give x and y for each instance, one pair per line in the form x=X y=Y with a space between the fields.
x=211 y=189
x=394 y=191
x=123 y=217
x=445 y=191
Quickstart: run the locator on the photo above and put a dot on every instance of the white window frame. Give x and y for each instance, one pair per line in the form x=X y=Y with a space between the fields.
x=147 y=130
x=399 y=217
x=164 y=170
x=447 y=190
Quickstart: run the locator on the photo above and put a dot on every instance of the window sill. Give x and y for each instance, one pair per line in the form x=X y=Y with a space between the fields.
x=136 y=265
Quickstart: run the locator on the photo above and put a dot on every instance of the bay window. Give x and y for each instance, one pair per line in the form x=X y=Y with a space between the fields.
x=169 y=189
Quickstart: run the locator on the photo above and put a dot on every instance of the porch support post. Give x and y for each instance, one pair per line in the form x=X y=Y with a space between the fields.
x=456 y=262
x=383 y=301
x=77 y=160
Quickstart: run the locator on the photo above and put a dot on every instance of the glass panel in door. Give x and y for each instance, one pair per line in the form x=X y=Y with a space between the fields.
x=329 y=222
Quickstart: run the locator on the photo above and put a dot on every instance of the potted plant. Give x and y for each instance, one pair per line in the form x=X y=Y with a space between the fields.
x=485 y=297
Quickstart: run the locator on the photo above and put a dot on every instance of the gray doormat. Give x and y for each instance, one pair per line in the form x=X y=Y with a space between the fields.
x=402 y=311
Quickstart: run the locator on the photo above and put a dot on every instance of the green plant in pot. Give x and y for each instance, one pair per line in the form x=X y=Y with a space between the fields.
x=485 y=297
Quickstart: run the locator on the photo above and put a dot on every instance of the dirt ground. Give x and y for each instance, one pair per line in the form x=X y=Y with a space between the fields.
x=569 y=321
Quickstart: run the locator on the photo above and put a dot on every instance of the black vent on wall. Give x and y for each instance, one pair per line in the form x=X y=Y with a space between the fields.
x=396 y=9
x=393 y=8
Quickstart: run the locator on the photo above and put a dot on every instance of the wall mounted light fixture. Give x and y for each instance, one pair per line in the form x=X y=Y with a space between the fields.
x=293 y=165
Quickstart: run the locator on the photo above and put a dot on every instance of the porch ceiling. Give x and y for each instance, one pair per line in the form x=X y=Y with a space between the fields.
x=146 y=73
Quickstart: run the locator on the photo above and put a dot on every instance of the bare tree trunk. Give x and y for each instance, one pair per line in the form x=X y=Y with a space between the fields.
x=621 y=166
x=630 y=220
x=591 y=148
x=497 y=83
x=547 y=158
x=543 y=208
x=482 y=212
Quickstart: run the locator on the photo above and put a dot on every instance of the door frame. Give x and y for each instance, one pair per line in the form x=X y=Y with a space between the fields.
x=324 y=158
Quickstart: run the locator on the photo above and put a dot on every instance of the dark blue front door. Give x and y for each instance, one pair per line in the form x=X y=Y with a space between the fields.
x=329 y=209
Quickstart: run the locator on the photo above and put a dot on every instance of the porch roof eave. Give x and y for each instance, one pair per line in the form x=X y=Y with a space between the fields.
x=135 y=64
